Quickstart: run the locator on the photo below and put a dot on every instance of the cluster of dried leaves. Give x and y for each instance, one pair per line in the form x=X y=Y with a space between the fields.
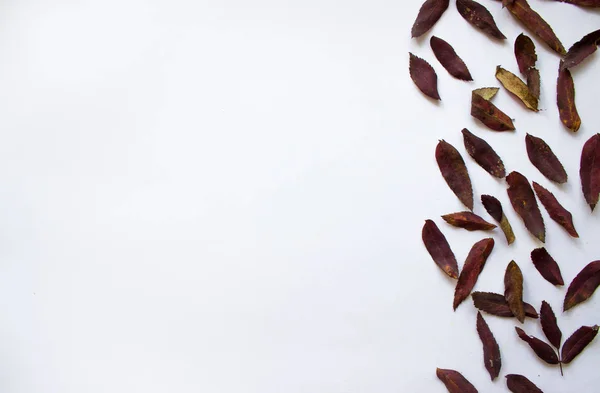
x=521 y=193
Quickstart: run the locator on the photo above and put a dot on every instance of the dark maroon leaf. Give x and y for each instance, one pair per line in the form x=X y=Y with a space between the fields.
x=583 y=285
x=468 y=221
x=589 y=170
x=523 y=201
x=565 y=100
x=494 y=209
x=525 y=53
x=577 y=342
x=472 y=268
x=483 y=110
x=583 y=3
x=533 y=82
x=448 y=58
x=519 y=384
x=491 y=350
x=542 y=157
x=547 y=266
x=495 y=304
x=439 y=249
x=581 y=49
x=549 y=325
x=513 y=290
x=455 y=382
x=477 y=15
x=483 y=154
x=455 y=173
x=556 y=211
x=541 y=349
x=424 y=76
x=430 y=12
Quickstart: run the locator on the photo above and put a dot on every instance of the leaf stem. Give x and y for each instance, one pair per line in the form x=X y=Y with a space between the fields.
x=561 y=369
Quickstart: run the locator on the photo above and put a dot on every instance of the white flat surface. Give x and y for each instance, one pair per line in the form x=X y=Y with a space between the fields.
x=227 y=196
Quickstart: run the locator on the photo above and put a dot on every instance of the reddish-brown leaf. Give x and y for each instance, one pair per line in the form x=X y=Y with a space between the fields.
x=549 y=325
x=494 y=209
x=583 y=285
x=533 y=82
x=581 y=49
x=543 y=158
x=483 y=154
x=556 y=211
x=495 y=304
x=525 y=53
x=541 y=349
x=448 y=58
x=577 y=342
x=519 y=384
x=455 y=172
x=472 y=268
x=424 y=76
x=439 y=249
x=491 y=350
x=480 y=17
x=534 y=22
x=547 y=266
x=583 y=3
x=523 y=201
x=455 y=382
x=565 y=100
x=513 y=290
x=589 y=170
x=430 y=12
x=468 y=221
x=483 y=110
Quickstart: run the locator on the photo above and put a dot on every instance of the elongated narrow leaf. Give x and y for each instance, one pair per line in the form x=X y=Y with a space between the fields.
x=477 y=15
x=583 y=3
x=483 y=110
x=583 y=285
x=565 y=100
x=523 y=201
x=519 y=384
x=525 y=53
x=468 y=221
x=491 y=350
x=556 y=211
x=448 y=58
x=455 y=382
x=431 y=11
x=494 y=209
x=439 y=249
x=455 y=172
x=547 y=266
x=577 y=342
x=550 y=325
x=495 y=304
x=533 y=82
x=424 y=76
x=483 y=154
x=513 y=290
x=472 y=268
x=589 y=170
x=543 y=158
x=581 y=49
x=541 y=349
x=517 y=87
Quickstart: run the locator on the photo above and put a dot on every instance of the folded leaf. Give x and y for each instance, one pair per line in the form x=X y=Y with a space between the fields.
x=547 y=266
x=520 y=384
x=483 y=154
x=495 y=304
x=439 y=249
x=454 y=171
x=455 y=382
x=556 y=211
x=491 y=350
x=431 y=11
x=477 y=15
x=525 y=53
x=448 y=58
x=424 y=76
x=483 y=110
x=494 y=209
x=581 y=49
x=565 y=100
x=472 y=268
x=589 y=170
x=517 y=87
x=577 y=342
x=468 y=221
x=523 y=201
x=583 y=285
x=541 y=349
x=513 y=290
x=549 y=325
x=543 y=158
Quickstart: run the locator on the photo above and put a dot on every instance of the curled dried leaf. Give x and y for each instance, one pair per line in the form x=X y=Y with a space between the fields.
x=455 y=382
x=533 y=82
x=483 y=154
x=483 y=110
x=468 y=221
x=424 y=76
x=517 y=87
x=472 y=268
x=477 y=15
x=547 y=266
x=448 y=58
x=513 y=290
x=491 y=350
x=589 y=170
x=550 y=325
x=494 y=209
x=525 y=53
x=577 y=342
x=439 y=249
x=565 y=100
x=541 y=349
x=454 y=171
x=431 y=11
x=519 y=384
x=556 y=211
x=583 y=285
x=581 y=49
x=544 y=159
x=523 y=201
x=495 y=304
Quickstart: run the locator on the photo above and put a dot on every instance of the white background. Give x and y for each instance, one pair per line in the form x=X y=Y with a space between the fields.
x=227 y=196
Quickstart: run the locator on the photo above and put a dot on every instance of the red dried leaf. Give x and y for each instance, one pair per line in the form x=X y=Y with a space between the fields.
x=565 y=100
x=439 y=249
x=448 y=58
x=541 y=349
x=581 y=49
x=430 y=12
x=547 y=266
x=483 y=154
x=543 y=158
x=577 y=342
x=472 y=268
x=519 y=384
x=424 y=76
x=513 y=290
x=495 y=304
x=549 y=325
x=556 y=211
x=483 y=110
x=589 y=170
x=491 y=350
x=480 y=17
x=583 y=3
x=533 y=82
x=454 y=381
x=583 y=285
x=468 y=221
x=455 y=172
x=523 y=201
x=494 y=209
x=525 y=53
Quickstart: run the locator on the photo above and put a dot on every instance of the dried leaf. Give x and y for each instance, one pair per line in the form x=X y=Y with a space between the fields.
x=543 y=158
x=565 y=100
x=547 y=266
x=439 y=249
x=468 y=221
x=424 y=76
x=523 y=201
x=533 y=82
x=455 y=172
x=494 y=209
x=519 y=384
x=486 y=112
x=448 y=58
x=517 y=87
x=581 y=49
x=525 y=53
x=577 y=342
x=534 y=22
x=491 y=350
x=455 y=382
x=472 y=268
x=483 y=154
x=549 y=325
x=513 y=290
x=541 y=349
x=556 y=211
x=495 y=304
x=430 y=12
x=589 y=170
x=583 y=285
x=583 y=3
x=477 y=15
